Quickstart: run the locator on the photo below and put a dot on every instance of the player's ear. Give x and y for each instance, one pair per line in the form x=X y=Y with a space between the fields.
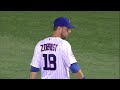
x=58 y=27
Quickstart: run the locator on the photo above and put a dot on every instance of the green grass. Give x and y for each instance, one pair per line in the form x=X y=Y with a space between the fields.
x=94 y=41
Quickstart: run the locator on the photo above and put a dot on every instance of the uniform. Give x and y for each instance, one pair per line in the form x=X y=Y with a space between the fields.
x=53 y=56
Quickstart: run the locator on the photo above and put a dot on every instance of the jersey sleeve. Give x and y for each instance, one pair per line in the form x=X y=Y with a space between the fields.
x=36 y=57
x=67 y=54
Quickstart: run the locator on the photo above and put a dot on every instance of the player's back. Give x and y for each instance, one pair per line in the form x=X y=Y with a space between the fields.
x=52 y=63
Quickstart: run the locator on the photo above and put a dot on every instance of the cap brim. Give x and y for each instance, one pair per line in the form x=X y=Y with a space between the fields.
x=71 y=27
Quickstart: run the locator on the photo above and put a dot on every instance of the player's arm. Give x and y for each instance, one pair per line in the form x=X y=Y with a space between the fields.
x=33 y=72
x=75 y=68
x=80 y=75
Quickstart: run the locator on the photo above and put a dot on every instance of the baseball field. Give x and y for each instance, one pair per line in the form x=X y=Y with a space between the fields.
x=94 y=41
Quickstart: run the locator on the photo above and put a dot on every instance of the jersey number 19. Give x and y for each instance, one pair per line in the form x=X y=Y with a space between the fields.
x=49 y=62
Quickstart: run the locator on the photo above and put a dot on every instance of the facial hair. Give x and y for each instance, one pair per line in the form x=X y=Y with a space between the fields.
x=63 y=36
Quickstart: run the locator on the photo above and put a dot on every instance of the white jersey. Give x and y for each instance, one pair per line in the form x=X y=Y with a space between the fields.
x=53 y=56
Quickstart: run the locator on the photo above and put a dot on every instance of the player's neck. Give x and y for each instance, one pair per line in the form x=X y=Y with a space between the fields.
x=56 y=34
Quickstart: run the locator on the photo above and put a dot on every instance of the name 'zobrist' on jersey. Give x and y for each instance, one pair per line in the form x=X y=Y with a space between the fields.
x=48 y=46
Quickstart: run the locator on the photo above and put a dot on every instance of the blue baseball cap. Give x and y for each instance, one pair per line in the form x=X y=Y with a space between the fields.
x=63 y=21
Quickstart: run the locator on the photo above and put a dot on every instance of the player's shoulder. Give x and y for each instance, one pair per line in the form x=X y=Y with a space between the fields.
x=40 y=42
x=65 y=43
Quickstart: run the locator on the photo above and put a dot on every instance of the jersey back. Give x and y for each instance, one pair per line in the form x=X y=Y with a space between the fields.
x=53 y=56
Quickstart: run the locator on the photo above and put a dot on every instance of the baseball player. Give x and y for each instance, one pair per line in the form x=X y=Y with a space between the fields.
x=53 y=56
